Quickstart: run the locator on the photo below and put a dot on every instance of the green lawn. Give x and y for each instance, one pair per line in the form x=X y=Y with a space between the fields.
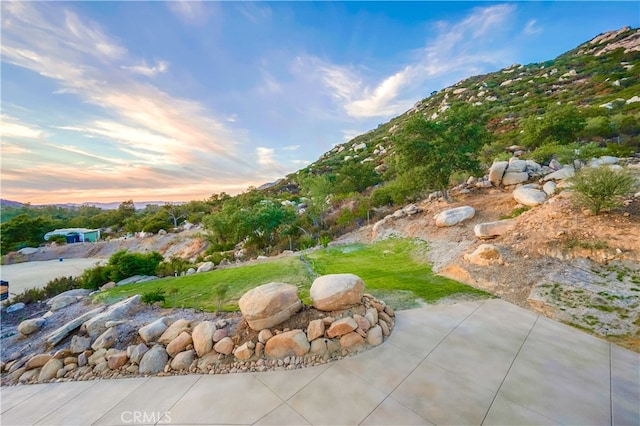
x=390 y=266
x=199 y=290
x=394 y=270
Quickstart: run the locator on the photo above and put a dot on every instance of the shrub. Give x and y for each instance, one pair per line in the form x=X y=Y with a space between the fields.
x=168 y=268
x=598 y=188
x=123 y=264
x=58 y=239
x=617 y=150
x=93 y=278
x=562 y=153
x=53 y=288
x=156 y=295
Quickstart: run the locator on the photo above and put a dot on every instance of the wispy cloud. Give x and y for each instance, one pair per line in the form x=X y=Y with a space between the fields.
x=532 y=27
x=458 y=47
x=149 y=125
x=11 y=127
x=192 y=12
x=291 y=148
x=144 y=69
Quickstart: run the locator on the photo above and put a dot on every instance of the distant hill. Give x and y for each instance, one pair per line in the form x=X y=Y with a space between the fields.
x=104 y=206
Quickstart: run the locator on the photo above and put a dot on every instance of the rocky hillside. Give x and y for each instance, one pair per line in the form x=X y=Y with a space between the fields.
x=601 y=77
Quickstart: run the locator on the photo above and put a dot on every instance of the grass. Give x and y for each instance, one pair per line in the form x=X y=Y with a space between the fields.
x=387 y=266
x=199 y=290
x=393 y=270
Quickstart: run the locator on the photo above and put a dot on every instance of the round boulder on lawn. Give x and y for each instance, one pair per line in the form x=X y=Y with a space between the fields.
x=269 y=305
x=336 y=291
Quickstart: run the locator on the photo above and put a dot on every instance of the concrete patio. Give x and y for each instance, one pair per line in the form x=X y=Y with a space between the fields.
x=486 y=362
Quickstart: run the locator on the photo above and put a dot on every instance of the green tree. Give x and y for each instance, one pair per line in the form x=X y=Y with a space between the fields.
x=317 y=190
x=598 y=188
x=559 y=124
x=175 y=212
x=123 y=264
x=429 y=152
x=24 y=231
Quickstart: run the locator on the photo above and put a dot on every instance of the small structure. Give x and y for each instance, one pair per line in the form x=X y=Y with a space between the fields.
x=75 y=235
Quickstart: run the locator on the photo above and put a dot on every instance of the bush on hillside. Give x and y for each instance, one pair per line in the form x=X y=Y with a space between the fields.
x=123 y=264
x=598 y=188
x=53 y=288
x=93 y=278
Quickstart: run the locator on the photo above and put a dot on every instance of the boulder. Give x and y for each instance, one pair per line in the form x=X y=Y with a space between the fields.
x=96 y=325
x=50 y=369
x=363 y=323
x=191 y=271
x=554 y=164
x=136 y=279
x=117 y=360
x=374 y=336
x=106 y=339
x=179 y=344
x=183 y=360
x=454 y=216
x=30 y=326
x=497 y=171
x=15 y=307
x=152 y=331
x=603 y=161
x=485 y=254
x=202 y=336
x=351 y=340
x=494 y=229
x=174 y=331
x=269 y=305
x=341 y=327
x=289 y=343
x=67 y=298
x=516 y=165
x=138 y=352
x=59 y=334
x=206 y=267
x=79 y=344
x=549 y=188
x=244 y=352
x=265 y=335
x=224 y=346
x=37 y=361
x=219 y=334
x=514 y=178
x=315 y=329
x=154 y=360
x=336 y=291
x=529 y=196
x=566 y=172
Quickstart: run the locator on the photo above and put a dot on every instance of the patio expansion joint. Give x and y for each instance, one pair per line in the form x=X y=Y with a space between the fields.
x=420 y=363
x=509 y=370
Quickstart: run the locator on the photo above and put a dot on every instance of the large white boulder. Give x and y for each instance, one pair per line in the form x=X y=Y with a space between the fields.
x=269 y=305
x=454 y=216
x=529 y=196
x=564 y=173
x=97 y=325
x=497 y=171
x=493 y=229
x=336 y=291
x=514 y=177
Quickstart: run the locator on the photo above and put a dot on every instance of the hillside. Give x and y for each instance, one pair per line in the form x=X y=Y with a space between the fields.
x=600 y=77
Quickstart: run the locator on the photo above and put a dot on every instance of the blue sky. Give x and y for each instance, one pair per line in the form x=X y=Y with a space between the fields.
x=174 y=101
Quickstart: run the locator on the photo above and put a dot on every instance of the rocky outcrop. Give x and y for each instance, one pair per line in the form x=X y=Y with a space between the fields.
x=30 y=326
x=485 y=254
x=152 y=331
x=59 y=334
x=336 y=291
x=454 y=216
x=269 y=305
x=96 y=325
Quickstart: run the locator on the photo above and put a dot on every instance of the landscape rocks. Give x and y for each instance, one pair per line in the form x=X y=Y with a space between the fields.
x=269 y=305
x=529 y=196
x=179 y=344
x=79 y=344
x=154 y=360
x=183 y=360
x=336 y=291
x=316 y=329
x=37 y=361
x=341 y=327
x=137 y=352
x=514 y=178
x=30 y=326
x=174 y=331
x=549 y=188
x=224 y=346
x=59 y=334
x=206 y=267
x=374 y=336
x=454 y=216
x=152 y=331
x=494 y=229
x=566 y=172
x=289 y=343
x=117 y=360
x=203 y=337
x=496 y=172
x=106 y=339
x=96 y=325
x=50 y=369
x=484 y=255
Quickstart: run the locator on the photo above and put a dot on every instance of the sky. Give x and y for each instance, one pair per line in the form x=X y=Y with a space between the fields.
x=175 y=101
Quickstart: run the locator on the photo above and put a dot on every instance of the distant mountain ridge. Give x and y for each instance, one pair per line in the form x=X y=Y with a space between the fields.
x=104 y=206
